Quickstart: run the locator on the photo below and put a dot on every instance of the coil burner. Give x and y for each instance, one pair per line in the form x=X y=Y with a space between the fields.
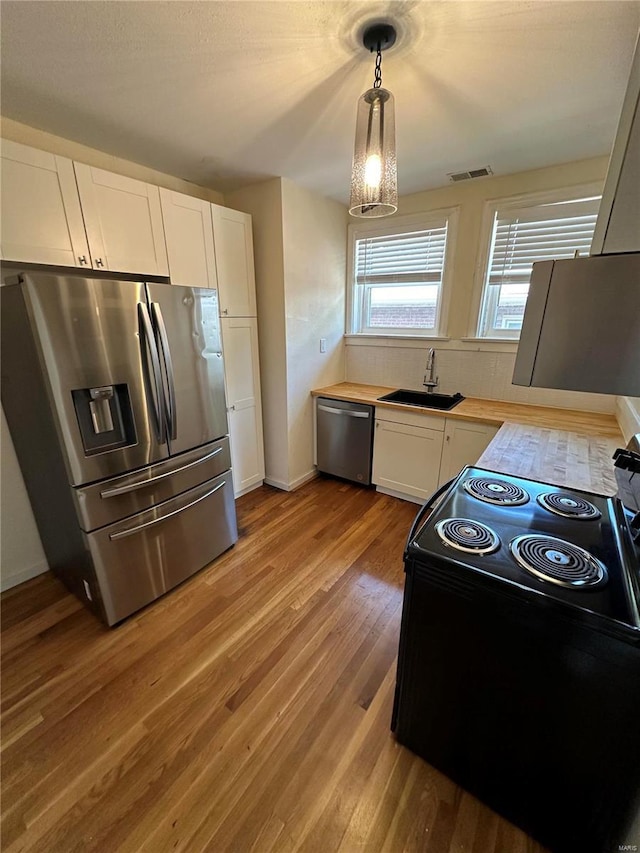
x=463 y=534
x=568 y=506
x=495 y=491
x=558 y=562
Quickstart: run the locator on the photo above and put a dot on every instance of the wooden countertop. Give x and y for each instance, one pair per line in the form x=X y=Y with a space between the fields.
x=559 y=446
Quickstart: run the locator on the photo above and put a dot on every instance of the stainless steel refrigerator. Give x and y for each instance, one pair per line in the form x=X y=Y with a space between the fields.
x=114 y=395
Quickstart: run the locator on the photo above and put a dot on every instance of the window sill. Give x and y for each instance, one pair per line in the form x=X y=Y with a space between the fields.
x=443 y=343
x=511 y=343
x=369 y=339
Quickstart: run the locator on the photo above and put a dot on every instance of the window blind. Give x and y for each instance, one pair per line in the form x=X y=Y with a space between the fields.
x=406 y=258
x=543 y=232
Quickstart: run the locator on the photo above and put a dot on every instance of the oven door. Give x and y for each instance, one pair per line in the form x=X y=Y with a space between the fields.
x=139 y=559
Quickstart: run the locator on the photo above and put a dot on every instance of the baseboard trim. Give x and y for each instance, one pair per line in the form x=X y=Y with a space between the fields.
x=300 y=481
x=294 y=484
x=401 y=495
x=24 y=575
x=250 y=488
x=277 y=484
x=628 y=417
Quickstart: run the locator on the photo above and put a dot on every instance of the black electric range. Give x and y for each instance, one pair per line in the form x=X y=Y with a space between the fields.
x=519 y=658
x=561 y=544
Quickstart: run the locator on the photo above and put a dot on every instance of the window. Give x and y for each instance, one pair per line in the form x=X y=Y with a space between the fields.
x=397 y=276
x=521 y=235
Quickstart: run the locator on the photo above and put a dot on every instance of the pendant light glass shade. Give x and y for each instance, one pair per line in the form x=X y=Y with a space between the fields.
x=374 y=177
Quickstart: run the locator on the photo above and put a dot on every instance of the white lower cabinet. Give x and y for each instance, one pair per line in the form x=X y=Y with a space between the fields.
x=464 y=444
x=414 y=453
x=242 y=380
x=407 y=450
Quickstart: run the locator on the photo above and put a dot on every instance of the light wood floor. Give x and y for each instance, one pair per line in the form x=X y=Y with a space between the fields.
x=247 y=710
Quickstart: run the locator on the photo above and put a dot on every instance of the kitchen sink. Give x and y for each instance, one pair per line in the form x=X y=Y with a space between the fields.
x=425 y=400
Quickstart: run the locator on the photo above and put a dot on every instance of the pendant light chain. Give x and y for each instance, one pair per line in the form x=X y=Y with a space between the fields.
x=377 y=82
x=374 y=180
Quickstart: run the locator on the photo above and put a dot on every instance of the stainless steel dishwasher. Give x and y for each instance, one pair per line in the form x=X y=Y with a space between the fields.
x=345 y=439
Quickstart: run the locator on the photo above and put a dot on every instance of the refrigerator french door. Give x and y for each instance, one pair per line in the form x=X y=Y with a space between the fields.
x=114 y=394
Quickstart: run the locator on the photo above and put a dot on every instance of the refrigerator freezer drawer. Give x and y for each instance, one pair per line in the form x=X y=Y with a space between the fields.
x=139 y=559
x=111 y=500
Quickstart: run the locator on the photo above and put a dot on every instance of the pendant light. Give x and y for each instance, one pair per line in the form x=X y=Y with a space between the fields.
x=374 y=179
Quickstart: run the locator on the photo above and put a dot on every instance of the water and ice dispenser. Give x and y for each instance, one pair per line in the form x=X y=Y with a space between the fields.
x=104 y=417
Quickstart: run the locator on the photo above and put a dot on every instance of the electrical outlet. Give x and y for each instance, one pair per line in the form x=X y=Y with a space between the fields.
x=323 y=344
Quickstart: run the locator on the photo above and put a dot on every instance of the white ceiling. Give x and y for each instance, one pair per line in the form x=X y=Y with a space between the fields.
x=227 y=92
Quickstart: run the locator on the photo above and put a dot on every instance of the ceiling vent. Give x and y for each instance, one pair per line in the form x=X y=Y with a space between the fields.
x=472 y=173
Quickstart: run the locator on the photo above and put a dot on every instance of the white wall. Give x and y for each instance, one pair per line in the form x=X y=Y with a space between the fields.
x=18 y=132
x=264 y=202
x=475 y=368
x=300 y=256
x=21 y=554
x=471 y=196
x=472 y=372
x=314 y=264
x=628 y=414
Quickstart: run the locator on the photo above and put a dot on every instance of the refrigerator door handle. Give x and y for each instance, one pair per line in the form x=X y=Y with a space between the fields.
x=131 y=530
x=148 y=348
x=132 y=487
x=168 y=366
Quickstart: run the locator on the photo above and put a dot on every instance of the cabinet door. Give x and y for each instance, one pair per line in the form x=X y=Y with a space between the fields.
x=189 y=236
x=464 y=444
x=123 y=221
x=406 y=459
x=242 y=380
x=41 y=216
x=617 y=225
x=234 y=258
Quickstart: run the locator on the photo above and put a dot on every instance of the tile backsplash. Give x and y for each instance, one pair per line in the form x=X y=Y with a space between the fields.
x=473 y=373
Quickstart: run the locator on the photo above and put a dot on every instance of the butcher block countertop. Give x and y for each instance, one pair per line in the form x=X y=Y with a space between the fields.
x=559 y=446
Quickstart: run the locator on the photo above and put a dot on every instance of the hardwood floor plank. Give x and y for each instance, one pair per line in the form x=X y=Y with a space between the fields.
x=247 y=811
x=246 y=711
x=250 y=755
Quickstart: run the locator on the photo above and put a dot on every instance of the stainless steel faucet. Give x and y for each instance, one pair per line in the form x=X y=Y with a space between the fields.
x=430 y=383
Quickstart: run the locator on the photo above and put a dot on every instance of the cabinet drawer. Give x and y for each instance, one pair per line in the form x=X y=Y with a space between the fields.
x=419 y=419
x=110 y=500
x=139 y=559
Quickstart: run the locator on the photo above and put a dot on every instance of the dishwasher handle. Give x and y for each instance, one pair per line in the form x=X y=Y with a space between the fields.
x=349 y=412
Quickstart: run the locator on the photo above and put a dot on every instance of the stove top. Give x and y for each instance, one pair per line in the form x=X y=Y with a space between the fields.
x=568 y=505
x=558 y=561
x=495 y=490
x=464 y=534
x=565 y=545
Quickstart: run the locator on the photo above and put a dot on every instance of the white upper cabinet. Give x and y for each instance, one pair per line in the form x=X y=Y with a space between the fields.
x=123 y=221
x=618 y=225
x=41 y=216
x=189 y=235
x=242 y=379
x=234 y=259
